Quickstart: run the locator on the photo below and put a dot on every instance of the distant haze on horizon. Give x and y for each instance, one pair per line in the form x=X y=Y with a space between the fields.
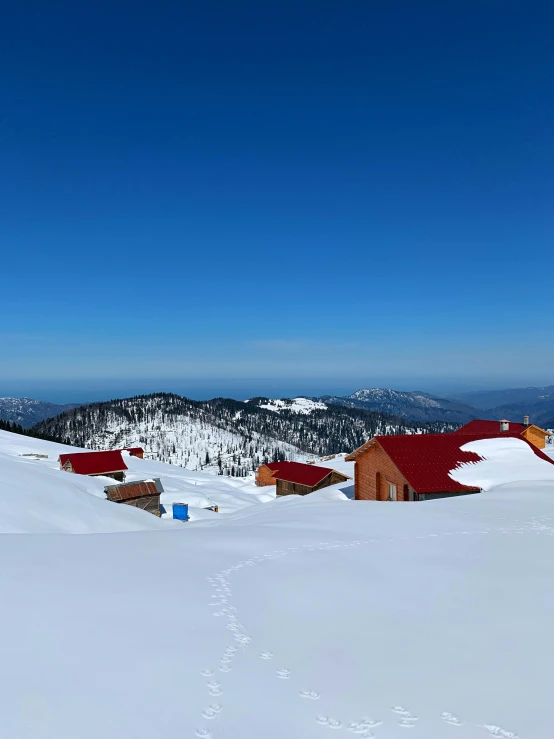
x=95 y=392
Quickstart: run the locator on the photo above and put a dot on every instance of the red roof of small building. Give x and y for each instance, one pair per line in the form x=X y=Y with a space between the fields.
x=491 y=427
x=302 y=474
x=94 y=463
x=426 y=460
x=133 y=450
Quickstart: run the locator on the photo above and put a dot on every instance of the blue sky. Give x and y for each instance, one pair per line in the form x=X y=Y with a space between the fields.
x=269 y=198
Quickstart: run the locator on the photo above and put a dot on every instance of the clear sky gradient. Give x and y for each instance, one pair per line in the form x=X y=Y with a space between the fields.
x=273 y=198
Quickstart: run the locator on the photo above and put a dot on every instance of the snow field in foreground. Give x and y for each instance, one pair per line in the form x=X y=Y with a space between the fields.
x=296 y=619
x=306 y=617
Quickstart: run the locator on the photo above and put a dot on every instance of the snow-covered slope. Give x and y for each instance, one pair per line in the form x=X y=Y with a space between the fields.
x=300 y=618
x=303 y=617
x=37 y=497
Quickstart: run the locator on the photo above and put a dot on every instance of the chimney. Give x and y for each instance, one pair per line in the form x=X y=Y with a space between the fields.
x=526 y=420
x=504 y=425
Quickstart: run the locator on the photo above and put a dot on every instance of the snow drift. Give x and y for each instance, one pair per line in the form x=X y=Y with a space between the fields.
x=505 y=460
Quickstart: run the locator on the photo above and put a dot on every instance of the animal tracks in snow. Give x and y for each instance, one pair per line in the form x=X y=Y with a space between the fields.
x=502 y=733
x=311 y=694
x=221 y=598
x=407 y=720
x=363 y=726
x=332 y=723
x=451 y=719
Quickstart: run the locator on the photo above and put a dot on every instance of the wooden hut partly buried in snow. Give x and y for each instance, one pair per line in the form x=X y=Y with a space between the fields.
x=143 y=494
x=296 y=478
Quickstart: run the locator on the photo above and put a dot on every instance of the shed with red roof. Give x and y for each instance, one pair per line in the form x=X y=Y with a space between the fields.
x=106 y=463
x=296 y=478
x=528 y=431
x=416 y=467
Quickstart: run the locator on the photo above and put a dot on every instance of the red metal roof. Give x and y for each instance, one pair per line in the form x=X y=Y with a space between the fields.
x=133 y=450
x=94 y=463
x=302 y=474
x=490 y=427
x=426 y=460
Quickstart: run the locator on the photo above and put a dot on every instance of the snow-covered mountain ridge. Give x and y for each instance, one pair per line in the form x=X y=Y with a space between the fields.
x=413 y=406
x=27 y=412
x=225 y=436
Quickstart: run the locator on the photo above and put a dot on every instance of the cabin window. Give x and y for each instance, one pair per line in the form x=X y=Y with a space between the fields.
x=392 y=491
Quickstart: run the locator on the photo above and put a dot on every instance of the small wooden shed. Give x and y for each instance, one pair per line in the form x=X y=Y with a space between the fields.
x=143 y=494
x=296 y=478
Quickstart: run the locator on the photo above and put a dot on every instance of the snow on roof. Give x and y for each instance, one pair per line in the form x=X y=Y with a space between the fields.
x=427 y=460
x=503 y=460
x=94 y=463
x=302 y=474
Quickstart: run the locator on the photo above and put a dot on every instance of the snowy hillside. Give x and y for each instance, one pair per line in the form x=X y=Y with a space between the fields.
x=37 y=497
x=304 y=406
x=225 y=436
x=302 y=617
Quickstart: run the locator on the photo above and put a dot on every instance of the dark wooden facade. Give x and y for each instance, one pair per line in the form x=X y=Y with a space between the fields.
x=284 y=487
x=118 y=475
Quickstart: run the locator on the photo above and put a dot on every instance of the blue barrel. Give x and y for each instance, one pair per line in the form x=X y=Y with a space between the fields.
x=181 y=511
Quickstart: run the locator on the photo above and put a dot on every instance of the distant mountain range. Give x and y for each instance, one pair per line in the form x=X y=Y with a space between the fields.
x=27 y=412
x=513 y=404
x=413 y=406
x=226 y=436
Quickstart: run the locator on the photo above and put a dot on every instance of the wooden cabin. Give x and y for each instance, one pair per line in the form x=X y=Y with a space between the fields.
x=143 y=494
x=94 y=464
x=296 y=478
x=528 y=431
x=414 y=467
